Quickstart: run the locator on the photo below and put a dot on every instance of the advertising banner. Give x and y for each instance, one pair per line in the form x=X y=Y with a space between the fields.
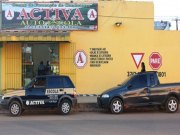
x=49 y=16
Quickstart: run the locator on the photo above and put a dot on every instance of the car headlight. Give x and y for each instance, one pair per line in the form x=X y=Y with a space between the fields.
x=3 y=97
x=105 y=96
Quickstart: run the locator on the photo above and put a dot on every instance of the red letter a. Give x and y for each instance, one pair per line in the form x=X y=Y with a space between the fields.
x=9 y=14
x=80 y=60
x=92 y=14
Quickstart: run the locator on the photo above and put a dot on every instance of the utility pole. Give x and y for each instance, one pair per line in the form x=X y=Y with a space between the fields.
x=177 y=20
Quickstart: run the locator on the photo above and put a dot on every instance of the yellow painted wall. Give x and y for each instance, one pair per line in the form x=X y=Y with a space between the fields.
x=136 y=34
x=12 y=65
x=66 y=57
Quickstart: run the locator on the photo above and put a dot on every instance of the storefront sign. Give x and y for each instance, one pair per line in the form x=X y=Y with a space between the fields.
x=49 y=16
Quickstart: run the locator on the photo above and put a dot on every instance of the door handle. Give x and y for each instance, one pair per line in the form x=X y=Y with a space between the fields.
x=147 y=90
x=61 y=89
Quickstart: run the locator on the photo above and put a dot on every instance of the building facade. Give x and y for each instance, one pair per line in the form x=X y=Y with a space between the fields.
x=94 y=59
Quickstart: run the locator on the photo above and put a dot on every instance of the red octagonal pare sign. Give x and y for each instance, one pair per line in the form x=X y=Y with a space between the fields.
x=155 y=60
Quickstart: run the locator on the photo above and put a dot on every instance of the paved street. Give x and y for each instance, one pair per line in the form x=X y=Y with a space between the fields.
x=86 y=123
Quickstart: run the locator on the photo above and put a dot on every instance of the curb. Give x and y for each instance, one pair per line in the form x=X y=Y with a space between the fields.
x=3 y=111
x=87 y=107
x=87 y=95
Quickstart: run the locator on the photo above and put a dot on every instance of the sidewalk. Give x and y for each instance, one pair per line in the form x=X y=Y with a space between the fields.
x=87 y=99
x=87 y=104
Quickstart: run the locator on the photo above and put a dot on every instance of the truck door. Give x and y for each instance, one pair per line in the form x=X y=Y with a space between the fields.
x=35 y=93
x=157 y=93
x=138 y=92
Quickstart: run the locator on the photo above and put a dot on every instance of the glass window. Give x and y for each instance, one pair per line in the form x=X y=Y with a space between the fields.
x=139 y=81
x=152 y=80
x=40 y=82
x=55 y=82
x=34 y=53
x=67 y=83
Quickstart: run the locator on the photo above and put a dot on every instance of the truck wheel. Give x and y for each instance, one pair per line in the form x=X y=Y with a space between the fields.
x=15 y=108
x=65 y=107
x=116 y=106
x=172 y=105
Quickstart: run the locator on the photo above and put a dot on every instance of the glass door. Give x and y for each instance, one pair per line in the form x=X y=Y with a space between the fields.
x=27 y=64
x=33 y=54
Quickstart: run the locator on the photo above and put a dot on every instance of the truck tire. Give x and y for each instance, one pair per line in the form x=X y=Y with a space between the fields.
x=65 y=107
x=116 y=106
x=172 y=105
x=15 y=108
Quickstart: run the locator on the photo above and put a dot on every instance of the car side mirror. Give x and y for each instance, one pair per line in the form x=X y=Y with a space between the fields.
x=30 y=87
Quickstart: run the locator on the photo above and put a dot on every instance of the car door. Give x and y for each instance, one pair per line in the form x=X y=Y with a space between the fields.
x=35 y=93
x=68 y=86
x=137 y=93
x=54 y=90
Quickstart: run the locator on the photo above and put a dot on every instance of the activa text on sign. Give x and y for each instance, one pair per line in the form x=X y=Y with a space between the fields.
x=67 y=16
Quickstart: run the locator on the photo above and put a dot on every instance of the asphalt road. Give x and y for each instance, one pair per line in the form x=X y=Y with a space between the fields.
x=86 y=123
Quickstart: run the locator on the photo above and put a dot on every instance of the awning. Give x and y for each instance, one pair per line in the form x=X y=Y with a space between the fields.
x=35 y=36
